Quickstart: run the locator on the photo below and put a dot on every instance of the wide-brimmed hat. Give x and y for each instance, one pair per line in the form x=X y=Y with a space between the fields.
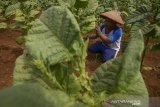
x=114 y=15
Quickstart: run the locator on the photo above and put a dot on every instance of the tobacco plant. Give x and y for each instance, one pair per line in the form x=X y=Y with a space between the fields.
x=3 y=5
x=147 y=19
x=56 y=67
x=25 y=13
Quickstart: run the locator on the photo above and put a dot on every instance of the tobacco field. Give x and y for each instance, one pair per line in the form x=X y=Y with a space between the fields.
x=44 y=60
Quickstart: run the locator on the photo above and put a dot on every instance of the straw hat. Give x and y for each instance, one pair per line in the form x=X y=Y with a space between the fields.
x=113 y=15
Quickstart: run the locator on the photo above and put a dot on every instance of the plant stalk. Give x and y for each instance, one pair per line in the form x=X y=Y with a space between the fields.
x=144 y=52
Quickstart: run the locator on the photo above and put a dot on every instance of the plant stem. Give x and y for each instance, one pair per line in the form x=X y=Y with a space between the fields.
x=144 y=52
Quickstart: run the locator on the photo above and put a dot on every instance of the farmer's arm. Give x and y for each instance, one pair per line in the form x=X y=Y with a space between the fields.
x=93 y=36
x=102 y=36
x=114 y=37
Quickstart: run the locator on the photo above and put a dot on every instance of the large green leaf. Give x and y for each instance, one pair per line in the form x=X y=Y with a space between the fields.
x=139 y=14
x=158 y=16
x=84 y=11
x=157 y=32
x=68 y=3
x=87 y=24
x=92 y=6
x=33 y=13
x=30 y=5
x=87 y=19
x=11 y=9
x=121 y=78
x=152 y=31
x=146 y=30
x=34 y=95
x=81 y=3
x=105 y=76
x=25 y=73
x=136 y=26
x=54 y=36
x=3 y=25
x=52 y=42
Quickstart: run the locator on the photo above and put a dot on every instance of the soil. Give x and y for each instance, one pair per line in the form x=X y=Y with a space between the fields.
x=10 y=50
x=151 y=73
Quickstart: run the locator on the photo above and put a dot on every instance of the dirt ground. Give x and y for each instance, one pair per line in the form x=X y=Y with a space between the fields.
x=151 y=73
x=9 y=51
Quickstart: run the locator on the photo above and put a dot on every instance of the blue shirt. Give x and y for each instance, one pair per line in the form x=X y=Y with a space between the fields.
x=114 y=36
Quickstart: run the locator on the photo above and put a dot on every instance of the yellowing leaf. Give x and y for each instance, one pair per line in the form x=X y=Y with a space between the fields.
x=3 y=25
x=33 y=13
x=11 y=9
x=18 y=13
x=20 y=18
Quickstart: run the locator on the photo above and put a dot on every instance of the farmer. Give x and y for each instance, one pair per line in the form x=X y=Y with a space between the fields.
x=110 y=34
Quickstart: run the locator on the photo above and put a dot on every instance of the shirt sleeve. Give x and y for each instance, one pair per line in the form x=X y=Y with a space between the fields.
x=102 y=26
x=115 y=35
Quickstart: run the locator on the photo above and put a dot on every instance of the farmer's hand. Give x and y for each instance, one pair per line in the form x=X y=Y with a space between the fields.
x=86 y=37
x=92 y=36
x=98 y=31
